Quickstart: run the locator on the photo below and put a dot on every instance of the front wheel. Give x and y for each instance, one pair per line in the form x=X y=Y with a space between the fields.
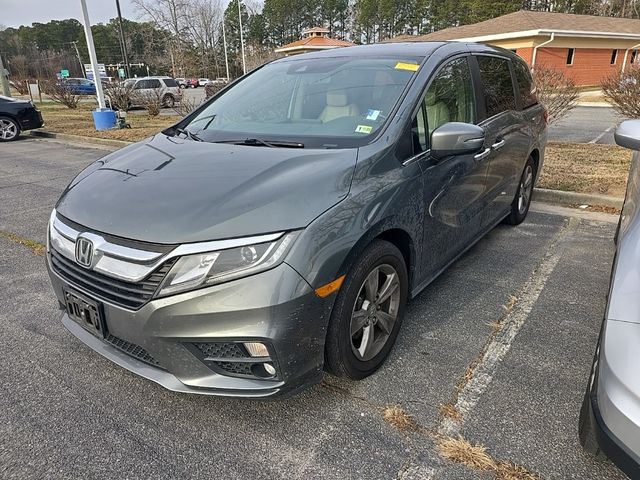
x=9 y=129
x=367 y=313
x=522 y=201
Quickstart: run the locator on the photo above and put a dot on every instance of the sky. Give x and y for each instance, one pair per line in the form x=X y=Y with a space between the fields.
x=14 y=13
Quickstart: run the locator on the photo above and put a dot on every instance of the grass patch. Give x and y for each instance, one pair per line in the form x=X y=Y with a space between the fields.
x=79 y=121
x=476 y=457
x=449 y=410
x=399 y=418
x=586 y=168
x=36 y=247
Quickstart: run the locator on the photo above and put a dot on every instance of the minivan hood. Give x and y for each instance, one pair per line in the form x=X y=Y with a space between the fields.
x=171 y=190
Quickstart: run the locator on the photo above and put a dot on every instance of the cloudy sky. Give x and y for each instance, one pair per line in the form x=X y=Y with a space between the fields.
x=24 y=12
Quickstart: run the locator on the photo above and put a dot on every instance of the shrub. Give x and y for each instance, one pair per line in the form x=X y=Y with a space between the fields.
x=60 y=93
x=186 y=106
x=118 y=96
x=557 y=92
x=622 y=91
x=152 y=101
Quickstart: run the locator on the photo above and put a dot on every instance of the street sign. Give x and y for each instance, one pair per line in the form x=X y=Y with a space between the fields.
x=89 y=70
x=64 y=73
x=121 y=73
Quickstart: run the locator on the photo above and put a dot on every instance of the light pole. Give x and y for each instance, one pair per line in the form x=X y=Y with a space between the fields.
x=92 y=55
x=123 y=42
x=224 y=44
x=244 y=65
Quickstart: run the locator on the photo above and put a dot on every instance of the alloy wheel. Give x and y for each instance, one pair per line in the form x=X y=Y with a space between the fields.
x=526 y=188
x=375 y=312
x=8 y=129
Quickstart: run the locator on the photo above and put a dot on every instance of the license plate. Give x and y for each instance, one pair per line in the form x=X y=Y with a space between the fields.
x=86 y=312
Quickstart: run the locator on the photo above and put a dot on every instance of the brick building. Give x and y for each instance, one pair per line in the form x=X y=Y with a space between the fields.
x=587 y=48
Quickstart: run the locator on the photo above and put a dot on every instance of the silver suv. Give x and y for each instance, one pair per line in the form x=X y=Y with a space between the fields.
x=165 y=89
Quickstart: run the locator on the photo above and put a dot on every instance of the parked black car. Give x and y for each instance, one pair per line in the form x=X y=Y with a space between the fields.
x=17 y=116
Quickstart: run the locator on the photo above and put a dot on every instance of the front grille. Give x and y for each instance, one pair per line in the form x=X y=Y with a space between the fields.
x=222 y=350
x=235 y=368
x=132 y=349
x=127 y=294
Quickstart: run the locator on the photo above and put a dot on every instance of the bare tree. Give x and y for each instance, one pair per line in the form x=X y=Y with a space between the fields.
x=152 y=101
x=557 y=92
x=118 y=96
x=622 y=90
x=186 y=106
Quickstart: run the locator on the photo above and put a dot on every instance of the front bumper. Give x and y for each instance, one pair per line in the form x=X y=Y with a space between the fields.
x=614 y=397
x=276 y=307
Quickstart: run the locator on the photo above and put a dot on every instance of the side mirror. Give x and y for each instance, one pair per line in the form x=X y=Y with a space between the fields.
x=456 y=138
x=628 y=134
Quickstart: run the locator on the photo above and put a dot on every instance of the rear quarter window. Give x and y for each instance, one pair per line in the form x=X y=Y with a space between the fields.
x=496 y=84
x=526 y=87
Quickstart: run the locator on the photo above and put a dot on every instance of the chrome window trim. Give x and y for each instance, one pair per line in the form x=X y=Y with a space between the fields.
x=131 y=264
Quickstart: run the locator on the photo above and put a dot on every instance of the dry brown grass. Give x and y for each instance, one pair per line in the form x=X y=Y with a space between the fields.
x=449 y=410
x=460 y=450
x=60 y=119
x=36 y=247
x=586 y=168
x=399 y=418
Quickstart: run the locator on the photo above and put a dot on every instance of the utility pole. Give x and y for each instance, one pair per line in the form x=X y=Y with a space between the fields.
x=224 y=43
x=244 y=65
x=123 y=44
x=3 y=80
x=92 y=55
x=75 y=44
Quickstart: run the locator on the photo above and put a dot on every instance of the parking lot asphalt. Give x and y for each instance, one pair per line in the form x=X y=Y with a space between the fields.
x=586 y=125
x=521 y=311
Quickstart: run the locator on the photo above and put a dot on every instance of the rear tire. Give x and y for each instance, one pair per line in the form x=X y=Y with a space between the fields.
x=367 y=313
x=522 y=201
x=9 y=129
x=168 y=101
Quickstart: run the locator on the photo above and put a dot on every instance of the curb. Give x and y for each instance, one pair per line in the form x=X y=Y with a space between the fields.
x=79 y=138
x=594 y=104
x=559 y=197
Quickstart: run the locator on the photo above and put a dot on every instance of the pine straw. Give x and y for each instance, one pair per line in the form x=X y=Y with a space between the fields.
x=79 y=121
x=586 y=168
x=461 y=451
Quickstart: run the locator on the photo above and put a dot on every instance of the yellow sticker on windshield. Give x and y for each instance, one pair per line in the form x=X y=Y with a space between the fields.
x=363 y=129
x=412 y=67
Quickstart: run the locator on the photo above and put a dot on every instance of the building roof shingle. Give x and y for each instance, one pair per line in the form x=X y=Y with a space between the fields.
x=525 y=20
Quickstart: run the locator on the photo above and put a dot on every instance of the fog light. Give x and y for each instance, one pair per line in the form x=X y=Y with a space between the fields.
x=257 y=349
x=269 y=369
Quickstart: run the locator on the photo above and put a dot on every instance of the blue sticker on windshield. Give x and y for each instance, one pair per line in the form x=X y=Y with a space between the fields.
x=373 y=115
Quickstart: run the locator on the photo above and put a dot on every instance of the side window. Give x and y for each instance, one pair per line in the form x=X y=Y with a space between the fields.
x=155 y=83
x=497 y=85
x=449 y=98
x=140 y=84
x=526 y=88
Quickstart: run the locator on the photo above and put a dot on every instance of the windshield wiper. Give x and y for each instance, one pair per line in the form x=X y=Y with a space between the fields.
x=265 y=143
x=186 y=132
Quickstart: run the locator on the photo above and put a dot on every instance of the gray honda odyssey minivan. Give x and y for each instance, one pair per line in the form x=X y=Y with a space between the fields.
x=280 y=229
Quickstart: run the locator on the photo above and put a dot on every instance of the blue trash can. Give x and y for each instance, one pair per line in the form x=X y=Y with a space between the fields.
x=104 y=119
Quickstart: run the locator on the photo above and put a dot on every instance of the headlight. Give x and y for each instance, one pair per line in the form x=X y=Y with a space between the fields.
x=204 y=269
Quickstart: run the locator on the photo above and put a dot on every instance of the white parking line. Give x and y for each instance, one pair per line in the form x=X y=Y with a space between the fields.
x=501 y=343
x=599 y=137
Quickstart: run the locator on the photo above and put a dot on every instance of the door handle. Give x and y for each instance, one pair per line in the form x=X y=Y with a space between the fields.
x=498 y=145
x=482 y=155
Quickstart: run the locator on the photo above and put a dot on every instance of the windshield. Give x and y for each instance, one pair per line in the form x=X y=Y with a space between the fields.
x=318 y=102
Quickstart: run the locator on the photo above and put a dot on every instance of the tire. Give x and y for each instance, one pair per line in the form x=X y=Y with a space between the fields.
x=9 y=129
x=168 y=101
x=357 y=353
x=522 y=201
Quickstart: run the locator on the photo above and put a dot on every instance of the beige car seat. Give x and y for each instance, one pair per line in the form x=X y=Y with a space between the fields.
x=338 y=106
x=437 y=112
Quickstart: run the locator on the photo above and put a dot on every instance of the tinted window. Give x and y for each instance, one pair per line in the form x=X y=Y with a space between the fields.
x=449 y=98
x=497 y=85
x=155 y=83
x=525 y=85
x=170 y=82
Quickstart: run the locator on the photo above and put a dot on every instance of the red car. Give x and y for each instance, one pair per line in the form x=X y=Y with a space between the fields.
x=191 y=83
